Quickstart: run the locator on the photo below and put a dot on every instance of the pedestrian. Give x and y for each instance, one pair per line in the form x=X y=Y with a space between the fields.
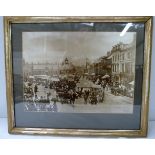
x=73 y=97
x=103 y=95
x=35 y=89
x=51 y=85
x=48 y=96
x=86 y=95
x=93 y=98
x=54 y=97
x=107 y=87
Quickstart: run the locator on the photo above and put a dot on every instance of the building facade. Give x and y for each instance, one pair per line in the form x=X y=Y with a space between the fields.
x=101 y=66
x=123 y=62
x=41 y=69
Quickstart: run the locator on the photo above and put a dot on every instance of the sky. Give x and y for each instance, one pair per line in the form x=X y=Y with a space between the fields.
x=77 y=46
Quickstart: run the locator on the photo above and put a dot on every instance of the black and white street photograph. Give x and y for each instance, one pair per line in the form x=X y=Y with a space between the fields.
x=78 y=72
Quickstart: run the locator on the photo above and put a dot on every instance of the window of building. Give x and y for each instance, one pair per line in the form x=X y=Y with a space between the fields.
x=116 y=67
x=129 y=55
x=123 y=68
x=128 y=67
x=131 y=68
x=123 y=56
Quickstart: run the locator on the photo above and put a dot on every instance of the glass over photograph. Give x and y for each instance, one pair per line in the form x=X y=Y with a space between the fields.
x=78 y=72
x=78 y=75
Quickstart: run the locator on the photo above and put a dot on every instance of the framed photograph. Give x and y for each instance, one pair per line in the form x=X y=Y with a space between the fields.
x=81 y=76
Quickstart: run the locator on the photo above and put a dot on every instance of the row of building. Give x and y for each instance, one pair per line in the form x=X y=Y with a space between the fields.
x=119 y=64
x=50 y=69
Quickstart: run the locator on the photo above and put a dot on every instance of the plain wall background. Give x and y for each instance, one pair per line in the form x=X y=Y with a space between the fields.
x=3 y=104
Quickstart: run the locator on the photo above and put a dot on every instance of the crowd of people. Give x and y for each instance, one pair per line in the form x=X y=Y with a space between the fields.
x=66 y=91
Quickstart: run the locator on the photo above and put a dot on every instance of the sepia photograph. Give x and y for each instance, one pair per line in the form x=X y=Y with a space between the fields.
x=78 y=72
